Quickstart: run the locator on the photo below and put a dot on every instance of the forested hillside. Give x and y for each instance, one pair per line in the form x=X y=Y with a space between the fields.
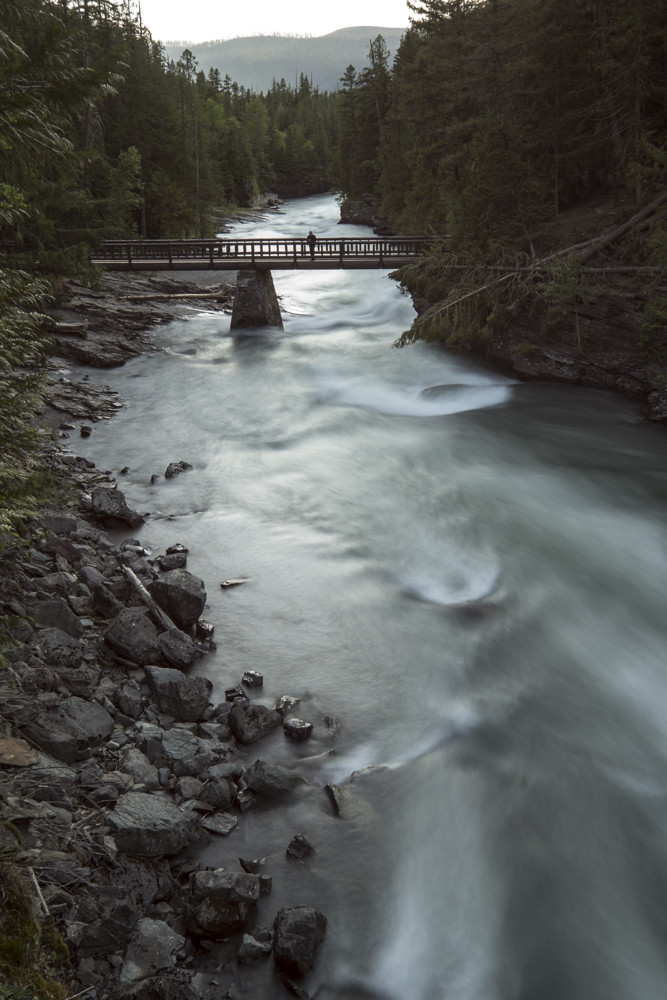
x=504 y=126
x=257 y=61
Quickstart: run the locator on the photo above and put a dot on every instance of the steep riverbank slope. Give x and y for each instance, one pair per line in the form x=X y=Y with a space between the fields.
x=589 y=316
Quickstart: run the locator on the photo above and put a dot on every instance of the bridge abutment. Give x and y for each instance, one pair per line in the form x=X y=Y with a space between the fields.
x=255 y=301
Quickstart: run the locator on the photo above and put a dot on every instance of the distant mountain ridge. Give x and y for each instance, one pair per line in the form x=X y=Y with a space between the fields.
x=255 y=62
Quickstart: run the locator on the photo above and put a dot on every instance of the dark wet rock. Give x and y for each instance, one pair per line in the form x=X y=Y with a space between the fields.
x=57 y=614
x=60 y=649
x=110 y=508
x=188 y=788
x=297 y=729
x=64 y=548
x=100 y=928
x=298 y=930
x=222 y=823
x=181 y=595
x=299 y=847
x=221 y=902
x=204 y=630
x=220 y=793
x=150 y=825
x=177 y=548
x=250 y=722
x=177 y=648
x=253 y=951
x=337 y=797
x=105 y=603
x=235 y=694
x=130 y=699
x=253 y=679
x=80 y=682
x=174 y=468
x=137 y=765
x=270 y=780
x=254 y=866
x=134 y=637
x=153 y=946
x=69 y=731
x=187 y=754
x=176 y=561
x=245 y=799
x=286 y=704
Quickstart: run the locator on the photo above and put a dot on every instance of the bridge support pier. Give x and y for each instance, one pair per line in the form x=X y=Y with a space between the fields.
x=255 y=301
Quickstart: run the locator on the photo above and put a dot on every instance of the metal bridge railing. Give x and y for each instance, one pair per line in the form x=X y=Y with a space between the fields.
x=257 y=250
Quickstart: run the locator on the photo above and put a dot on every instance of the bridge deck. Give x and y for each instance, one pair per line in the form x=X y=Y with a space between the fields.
x=274 y=255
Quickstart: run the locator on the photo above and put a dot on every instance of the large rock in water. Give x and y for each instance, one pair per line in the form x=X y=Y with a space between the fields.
x=110 y=508
x=297 y=931
x=271 y=780
x=255 y=301
x=250 y=723
x=181 y=595
x=222 y=902
x=150 y=826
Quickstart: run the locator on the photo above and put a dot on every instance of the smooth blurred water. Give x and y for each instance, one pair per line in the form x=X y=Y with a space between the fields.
x=466 y=588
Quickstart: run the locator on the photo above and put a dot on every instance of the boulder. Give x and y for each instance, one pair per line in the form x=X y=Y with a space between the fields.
x=71 y=730
x=152 y=947
x=110 y=508
x=219 y=793
x=297 y=932
x=137 y=765
x=187 y=754
x=59 y=648
x=181 y=594
x=133 y=636
x=297 y=729
x=174 y=468
x=250 y=722
x=222 y=902
x=150 y=826
x=57 y=614
x=270 y=780
x=185 y=698
x=177 y=648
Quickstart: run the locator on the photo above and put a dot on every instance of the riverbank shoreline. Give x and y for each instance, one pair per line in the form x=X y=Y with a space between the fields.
x=115 y=766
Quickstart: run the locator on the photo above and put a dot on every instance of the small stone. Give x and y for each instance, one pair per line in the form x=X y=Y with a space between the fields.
x=245 y=799
x=299 y=847
x=252 y=866
x=204 y=630
x=232 y=694
x=86 y=430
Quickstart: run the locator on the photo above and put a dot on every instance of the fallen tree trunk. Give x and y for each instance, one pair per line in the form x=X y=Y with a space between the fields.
x=152 y=605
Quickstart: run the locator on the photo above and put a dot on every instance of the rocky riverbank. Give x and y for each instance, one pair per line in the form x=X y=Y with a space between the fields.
x=116 y=768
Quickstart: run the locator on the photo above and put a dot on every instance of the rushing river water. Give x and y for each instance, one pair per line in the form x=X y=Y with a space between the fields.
x=466 y=588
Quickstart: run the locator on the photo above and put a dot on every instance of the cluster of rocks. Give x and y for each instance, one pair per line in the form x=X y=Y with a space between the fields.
x=116 y=767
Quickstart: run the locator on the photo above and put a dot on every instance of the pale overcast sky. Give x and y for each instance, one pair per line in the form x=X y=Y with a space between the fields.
x=205 y=20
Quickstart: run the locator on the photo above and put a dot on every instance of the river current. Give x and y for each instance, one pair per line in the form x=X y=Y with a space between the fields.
x=466 y=588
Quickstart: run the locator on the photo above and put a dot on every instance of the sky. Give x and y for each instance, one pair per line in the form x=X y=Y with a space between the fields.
x=206 y=20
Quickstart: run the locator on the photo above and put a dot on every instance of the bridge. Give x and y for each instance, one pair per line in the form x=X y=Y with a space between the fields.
x=255 y=301
x=258 y=255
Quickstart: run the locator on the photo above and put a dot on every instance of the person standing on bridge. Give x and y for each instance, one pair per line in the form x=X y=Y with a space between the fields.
x=311 y=240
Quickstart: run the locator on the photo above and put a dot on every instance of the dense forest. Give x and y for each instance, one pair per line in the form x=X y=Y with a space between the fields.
x=498 y=119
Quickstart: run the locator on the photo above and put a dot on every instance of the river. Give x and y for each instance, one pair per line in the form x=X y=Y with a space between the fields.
x=466 y=588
